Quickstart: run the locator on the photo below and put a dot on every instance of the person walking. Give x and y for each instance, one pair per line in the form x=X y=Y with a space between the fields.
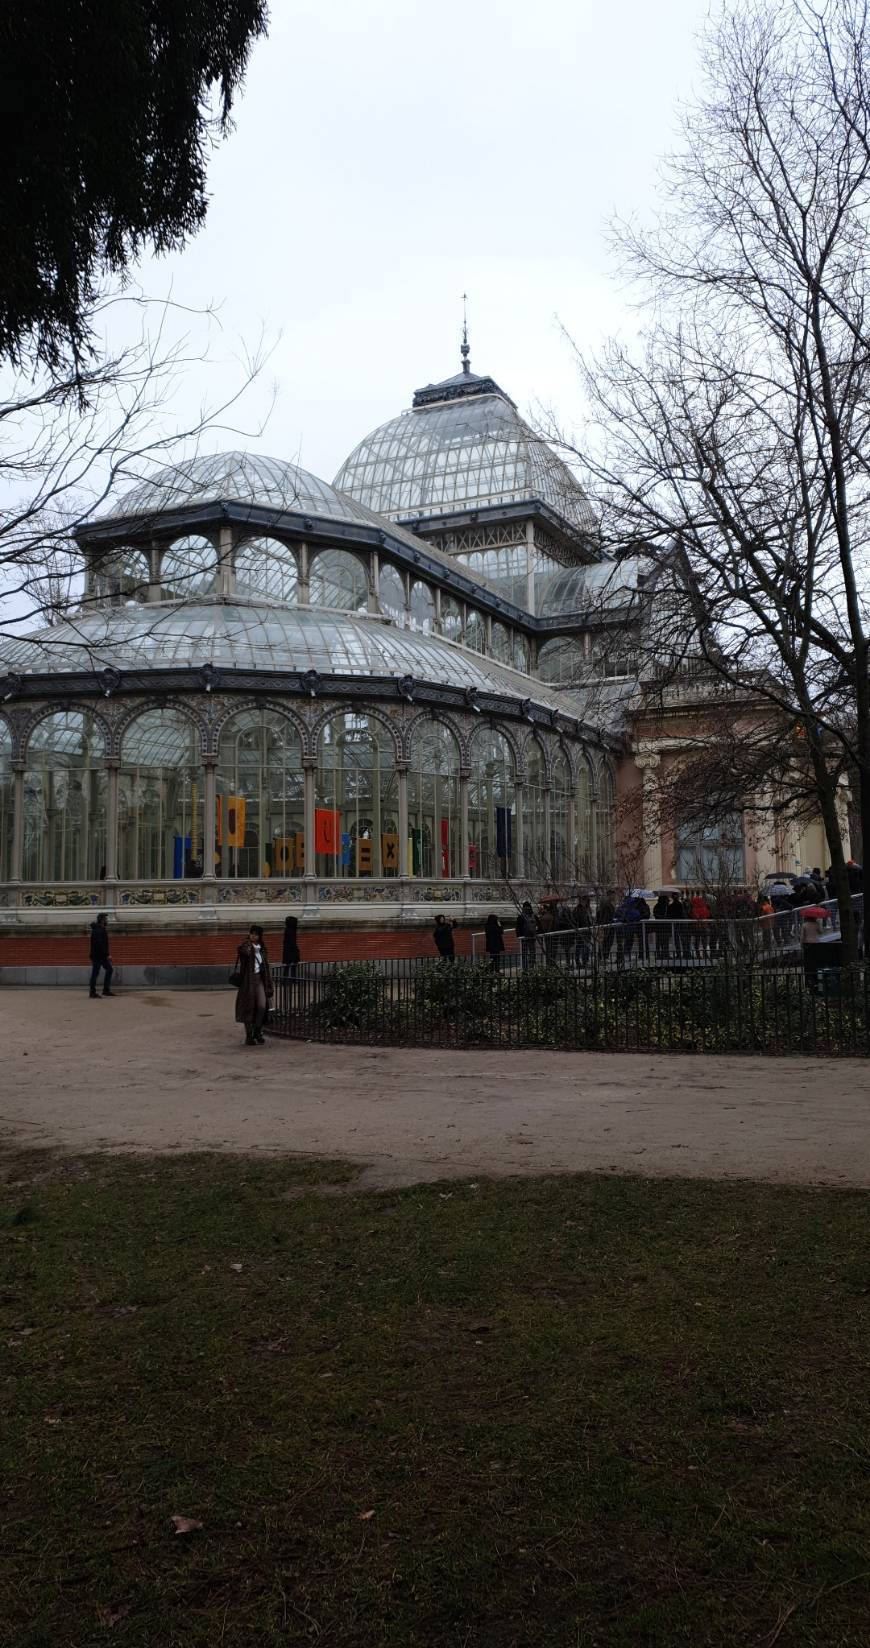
x=100 y=958
x=701 y=917
x=582 y=921
x=662 y=927
x=290 y=956
x=255 y=986
x=527 y=933
x=442 y=933
x=493 y=937
x=605 y=915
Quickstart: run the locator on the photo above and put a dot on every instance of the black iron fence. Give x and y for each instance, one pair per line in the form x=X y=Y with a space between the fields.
x=722 y=1008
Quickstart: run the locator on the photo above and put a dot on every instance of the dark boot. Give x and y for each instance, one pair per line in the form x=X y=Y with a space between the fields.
x=259 y=1037
x=108 y=992
x=249 y=1036
x=92 y=994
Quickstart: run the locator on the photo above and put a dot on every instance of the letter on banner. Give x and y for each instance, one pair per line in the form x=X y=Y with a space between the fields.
x=236 y=809
x=284 y=854
x=326 y=830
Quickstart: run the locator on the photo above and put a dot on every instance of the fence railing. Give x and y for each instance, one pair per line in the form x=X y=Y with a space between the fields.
x=773 y=941
x=417 y=1002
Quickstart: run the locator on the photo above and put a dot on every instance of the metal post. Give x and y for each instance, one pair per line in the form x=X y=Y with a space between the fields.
x=208 y=822
x=17 y=821
x=402 y=778
x=309 y=763
x=112 y=765
x=464 y=868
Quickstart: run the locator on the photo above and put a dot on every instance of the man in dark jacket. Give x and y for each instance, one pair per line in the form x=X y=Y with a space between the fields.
x=527 y=933
x=662 y=928
x=100 y=957
x=442 y=933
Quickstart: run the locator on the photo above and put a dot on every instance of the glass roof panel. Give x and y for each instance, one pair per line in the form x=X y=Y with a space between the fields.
x=241 y=636
x=462 y=453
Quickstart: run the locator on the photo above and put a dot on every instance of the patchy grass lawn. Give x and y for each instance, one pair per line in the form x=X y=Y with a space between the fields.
x=557 y=1412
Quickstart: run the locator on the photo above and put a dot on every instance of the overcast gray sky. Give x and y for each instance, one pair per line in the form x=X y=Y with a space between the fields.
x=391 y=154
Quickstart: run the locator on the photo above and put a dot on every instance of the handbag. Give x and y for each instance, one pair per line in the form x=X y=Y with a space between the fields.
x=235 y=978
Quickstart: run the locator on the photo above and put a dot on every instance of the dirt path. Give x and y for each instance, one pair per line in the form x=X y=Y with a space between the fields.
x=168 y=1072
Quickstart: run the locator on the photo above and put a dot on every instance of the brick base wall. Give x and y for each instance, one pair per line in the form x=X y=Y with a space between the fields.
x=213 y=949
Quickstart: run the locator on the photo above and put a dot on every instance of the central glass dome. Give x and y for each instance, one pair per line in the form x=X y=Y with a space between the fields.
x=463 y=445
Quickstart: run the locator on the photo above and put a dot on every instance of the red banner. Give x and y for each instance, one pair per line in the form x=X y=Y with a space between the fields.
x=445 y=846
x=327 y=830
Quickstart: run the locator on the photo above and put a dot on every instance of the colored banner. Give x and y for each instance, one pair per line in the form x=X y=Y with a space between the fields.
x=364 y=856
x=236 y=814
x=327 y=830
x=390 y=854
x=300 y=852
x=445 y=846
x=284 y=854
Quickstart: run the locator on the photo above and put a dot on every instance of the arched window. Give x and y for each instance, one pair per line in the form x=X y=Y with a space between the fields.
x=491 y=817
x=433 y=803
x=65 y=799
x=562 y=866
x=422 y=608
x=475 y=631
x=391 y=592
x=122 y=575
x=259 y=789
x=356 y=820
x=338 y=579
x=536 y=855
x=560 y=662
x=451 y=618
x=265 y=566
x=7 y=802
x=605 y=823
x=584 y=857
x=160 y=799
x=520 y=649
x=189 y=567
x=501 y=646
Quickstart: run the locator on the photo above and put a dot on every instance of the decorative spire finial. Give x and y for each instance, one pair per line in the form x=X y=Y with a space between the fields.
x=465 y=351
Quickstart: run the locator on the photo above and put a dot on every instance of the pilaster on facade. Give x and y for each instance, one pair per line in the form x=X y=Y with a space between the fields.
x=309 y=771
x=17 y=863
x=648 y=766
x=112 y=764
x=402 y=789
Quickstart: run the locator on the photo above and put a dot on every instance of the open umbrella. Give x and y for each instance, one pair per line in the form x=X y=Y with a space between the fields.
x=814 y=912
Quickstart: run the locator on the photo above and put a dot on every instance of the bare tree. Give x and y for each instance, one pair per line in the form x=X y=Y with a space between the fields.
x=67 y=447
x=731 y=444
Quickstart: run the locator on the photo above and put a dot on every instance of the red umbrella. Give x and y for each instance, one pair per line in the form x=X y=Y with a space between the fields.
x=815 y=912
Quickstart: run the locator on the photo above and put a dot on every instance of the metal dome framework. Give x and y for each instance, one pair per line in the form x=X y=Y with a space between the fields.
x=364 y=677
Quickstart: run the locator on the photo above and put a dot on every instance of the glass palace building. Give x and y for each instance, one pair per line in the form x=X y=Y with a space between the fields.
x=358 y=702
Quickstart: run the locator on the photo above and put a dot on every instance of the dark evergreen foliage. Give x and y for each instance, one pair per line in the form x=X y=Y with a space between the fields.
x=107 y=111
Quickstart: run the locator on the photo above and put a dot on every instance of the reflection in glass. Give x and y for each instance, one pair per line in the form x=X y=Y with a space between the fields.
x=65 y=799
x=433 y=803
x=266 y=567
x=338 y=579
x=356 y=799
x=260 y=764
x=491 y=815
x=160 y=799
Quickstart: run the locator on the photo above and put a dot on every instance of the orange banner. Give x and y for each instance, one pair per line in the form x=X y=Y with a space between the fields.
x=327 y=830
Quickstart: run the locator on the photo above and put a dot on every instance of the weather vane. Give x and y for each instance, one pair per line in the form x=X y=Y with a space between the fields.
x=465 y=351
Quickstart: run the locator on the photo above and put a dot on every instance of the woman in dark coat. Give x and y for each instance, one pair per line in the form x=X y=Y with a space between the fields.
x=494 y=940
x=290 y=957
x=255 y=986
x=442 y=933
